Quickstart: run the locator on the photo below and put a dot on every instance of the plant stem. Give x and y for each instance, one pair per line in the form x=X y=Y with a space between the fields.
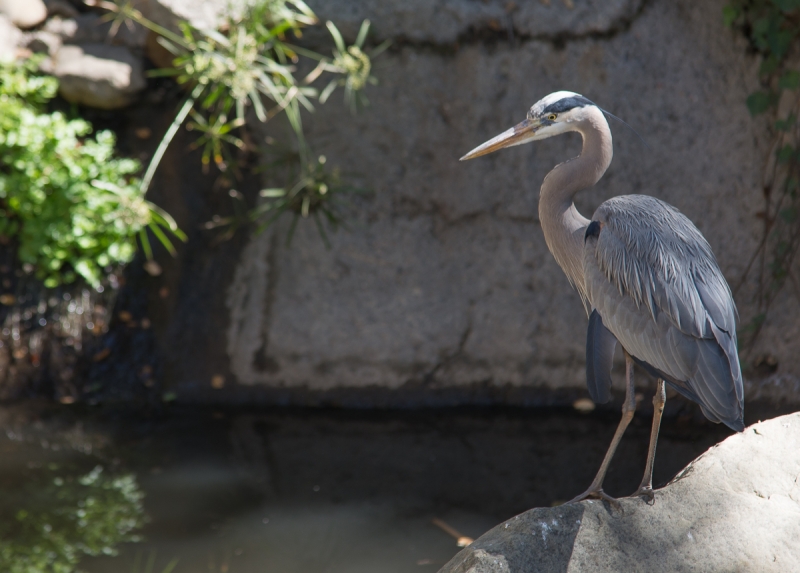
x=168 y=136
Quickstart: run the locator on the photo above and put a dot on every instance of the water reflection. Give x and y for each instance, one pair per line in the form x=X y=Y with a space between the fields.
x=55 y=518
x=283 y=491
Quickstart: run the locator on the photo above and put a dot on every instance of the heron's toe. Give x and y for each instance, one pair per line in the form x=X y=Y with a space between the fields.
x=596 y=494
x=645 y=492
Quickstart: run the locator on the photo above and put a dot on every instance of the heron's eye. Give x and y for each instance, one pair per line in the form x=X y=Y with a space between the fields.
x=552 y=117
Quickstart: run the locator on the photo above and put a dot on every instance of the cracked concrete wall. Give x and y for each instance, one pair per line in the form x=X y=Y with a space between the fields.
x=444 y=280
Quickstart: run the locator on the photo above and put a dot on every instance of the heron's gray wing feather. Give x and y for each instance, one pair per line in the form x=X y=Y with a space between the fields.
x=716 y=298
x=653 y=279
x=727 y=342
x=656 y=256
x=680 y=387
x=600 y=345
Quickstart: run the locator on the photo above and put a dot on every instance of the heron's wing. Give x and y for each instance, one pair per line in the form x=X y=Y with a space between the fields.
x=600 y=345
x=653 y=279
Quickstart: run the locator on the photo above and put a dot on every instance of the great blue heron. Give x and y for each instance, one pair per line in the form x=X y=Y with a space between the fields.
x=646 y=275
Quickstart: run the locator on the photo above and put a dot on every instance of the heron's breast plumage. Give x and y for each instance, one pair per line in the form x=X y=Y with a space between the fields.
x=653 y=279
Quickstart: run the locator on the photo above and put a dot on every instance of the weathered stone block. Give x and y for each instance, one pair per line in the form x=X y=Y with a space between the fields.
x=24 y=13
x=202 y=14
x=10 y=36
x=91 y=28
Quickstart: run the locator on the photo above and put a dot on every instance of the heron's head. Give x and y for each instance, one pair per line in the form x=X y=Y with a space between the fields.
x=554 y=114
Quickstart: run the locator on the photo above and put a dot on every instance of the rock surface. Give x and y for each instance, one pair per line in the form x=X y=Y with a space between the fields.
x=61 y=8
x=202 y=14
x=42 y=41
x=24 y=13
x=735 y=508
x=92 y=29
x=10 y=36
x=99 y=75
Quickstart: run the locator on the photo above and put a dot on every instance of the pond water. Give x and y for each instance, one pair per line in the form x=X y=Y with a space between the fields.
x=296 y=491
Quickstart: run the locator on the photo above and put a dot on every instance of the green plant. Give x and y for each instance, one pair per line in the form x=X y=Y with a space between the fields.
x=73 y=207
x=62 y=518
x=773 y=27
x=317 y=193
x=252 y=65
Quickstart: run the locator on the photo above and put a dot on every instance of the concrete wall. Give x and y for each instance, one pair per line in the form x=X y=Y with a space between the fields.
x=444 y=285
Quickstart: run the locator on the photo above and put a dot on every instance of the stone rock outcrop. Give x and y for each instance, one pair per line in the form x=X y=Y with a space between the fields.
x=98 y=75
x=10 y=36
x=202 y=14
x=24 y=13
x=43 y=42
x=92 y=29
x=735 y=508
x=61 y=8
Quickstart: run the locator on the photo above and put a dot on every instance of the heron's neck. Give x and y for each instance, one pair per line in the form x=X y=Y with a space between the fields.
x=563 y=225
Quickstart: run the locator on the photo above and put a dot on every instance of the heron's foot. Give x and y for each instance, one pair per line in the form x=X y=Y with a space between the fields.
x=596 y=493
x=646 y=492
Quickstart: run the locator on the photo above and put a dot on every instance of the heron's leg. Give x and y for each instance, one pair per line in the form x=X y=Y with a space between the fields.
x=660 y=398
x=628 y=407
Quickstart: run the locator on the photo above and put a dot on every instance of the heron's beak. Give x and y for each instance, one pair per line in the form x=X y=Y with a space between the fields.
x=521 y=133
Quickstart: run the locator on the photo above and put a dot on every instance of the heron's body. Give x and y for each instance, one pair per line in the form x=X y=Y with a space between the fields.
x=647 y=276
x=652 y=278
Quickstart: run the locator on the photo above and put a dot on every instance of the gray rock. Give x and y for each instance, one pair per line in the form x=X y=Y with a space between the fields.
x=735 y=508
x=92 y=29
x=64 y=28
x=24 y=13
x=42 y=42
x=61 y=8
x=10 y=36
x=202 y=14
x=98 y=75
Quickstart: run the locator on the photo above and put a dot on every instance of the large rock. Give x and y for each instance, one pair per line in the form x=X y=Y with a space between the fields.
x=202 y=14
x=24 y=13
x=42 y=42
x=10 y=36
x=735 y=508
x=90 y=28
x=99 y=75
